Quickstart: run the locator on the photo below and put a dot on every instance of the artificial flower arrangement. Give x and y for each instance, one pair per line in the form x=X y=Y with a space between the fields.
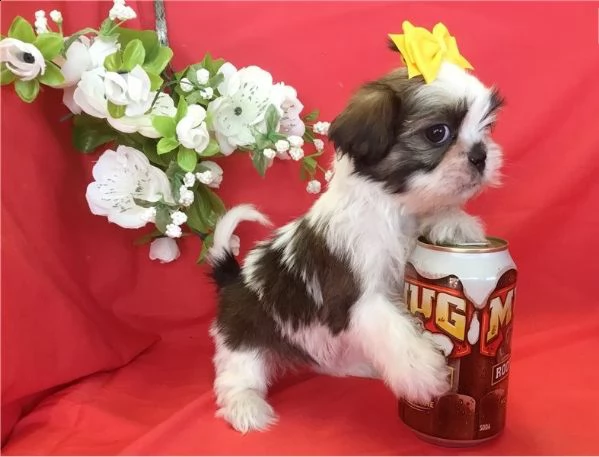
x=166 y=125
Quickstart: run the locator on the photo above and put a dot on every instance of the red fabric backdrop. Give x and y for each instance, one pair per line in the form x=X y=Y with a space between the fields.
x=80 y=301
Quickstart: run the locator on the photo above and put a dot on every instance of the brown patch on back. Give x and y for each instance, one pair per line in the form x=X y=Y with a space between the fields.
x=245 y=320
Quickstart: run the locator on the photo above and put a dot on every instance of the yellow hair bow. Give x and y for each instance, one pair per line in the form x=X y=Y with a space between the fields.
x=423 y=51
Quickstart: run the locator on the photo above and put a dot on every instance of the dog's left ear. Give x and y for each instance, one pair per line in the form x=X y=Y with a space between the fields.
x=368 y=127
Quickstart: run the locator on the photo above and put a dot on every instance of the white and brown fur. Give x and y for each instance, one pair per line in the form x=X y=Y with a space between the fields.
x=323 y=290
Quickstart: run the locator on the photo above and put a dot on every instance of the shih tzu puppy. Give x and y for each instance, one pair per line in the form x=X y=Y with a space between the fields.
x=323 y=290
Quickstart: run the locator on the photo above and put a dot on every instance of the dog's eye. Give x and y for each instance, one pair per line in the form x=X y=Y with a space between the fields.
x=438 y=133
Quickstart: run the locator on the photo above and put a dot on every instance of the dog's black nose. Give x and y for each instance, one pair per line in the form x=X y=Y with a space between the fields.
x=477 y=156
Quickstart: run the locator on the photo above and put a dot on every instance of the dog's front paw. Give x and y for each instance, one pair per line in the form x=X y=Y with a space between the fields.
x=423 y=373
x=457 y=229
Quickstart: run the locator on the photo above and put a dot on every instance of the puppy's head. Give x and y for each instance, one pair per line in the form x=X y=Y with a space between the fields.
x=429 y=144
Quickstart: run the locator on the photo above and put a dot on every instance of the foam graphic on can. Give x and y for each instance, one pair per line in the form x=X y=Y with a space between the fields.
x=475 y=337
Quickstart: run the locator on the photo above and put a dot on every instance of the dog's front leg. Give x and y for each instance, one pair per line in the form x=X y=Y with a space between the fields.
x=408 y=361
x=452 y=225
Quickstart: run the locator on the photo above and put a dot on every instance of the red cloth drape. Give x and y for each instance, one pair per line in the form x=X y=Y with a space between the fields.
x=79 y=301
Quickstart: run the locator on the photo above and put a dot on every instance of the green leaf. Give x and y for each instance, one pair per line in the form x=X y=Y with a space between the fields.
x=113 y=62
x=216 y=80
x=181 y=110
x=272 y=118
x=211 y=150
x=106 y=27
x=160 y=60
x=310 y=164
x=195 y=98
x=148 y=237
x=116 y=111
x=216 y=204
x=206 y=245
x=27 y=90
x=155 y=81
x=262 y=141
x=274 y=137
x=312 y=116
x=187 y=158
x=21 y=30
x=6 y=76
x=165 y=125
x=90 y=132
x=50 y=44
x=52 y=76
x=166 y=145
x=163 y=160
x=260 y=162
x=211 y=65
x=148 y=38
x=133 y=55
x=196 y=217
x=207 y=207
x=309 y=136
x=163 y=217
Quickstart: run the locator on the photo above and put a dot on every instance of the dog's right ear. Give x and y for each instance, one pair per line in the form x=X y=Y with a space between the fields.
x=368 y=127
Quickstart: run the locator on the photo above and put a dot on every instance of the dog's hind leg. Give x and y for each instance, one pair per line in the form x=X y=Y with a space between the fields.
x=241 y=384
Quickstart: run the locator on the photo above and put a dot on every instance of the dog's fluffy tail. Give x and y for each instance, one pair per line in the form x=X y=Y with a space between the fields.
x=225 y=268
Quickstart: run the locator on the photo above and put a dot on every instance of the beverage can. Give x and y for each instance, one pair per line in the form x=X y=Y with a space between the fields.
x=464 y=295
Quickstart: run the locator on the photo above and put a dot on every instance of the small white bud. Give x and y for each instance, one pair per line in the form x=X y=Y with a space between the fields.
x=282 y=146
x=186 y=85
x=295 y=141
x=56 y=16
x=296 y=153
x=179 y=217
x=269 y=153
x=203 y=76
x=313 y=187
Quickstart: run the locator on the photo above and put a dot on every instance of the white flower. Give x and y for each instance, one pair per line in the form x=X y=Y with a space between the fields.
x=207 y=93
x=164 y=249
x=173 y=231
x=120 y=177
x=164 y=106
x=328 y=175
x=295 y=141
x=313 y=187
x=282 y=146
x=84 y=55
x=234 y=245
x=245 y=96
x=121 y=12
x=185 y=196
x=285 y=99
x=296 y=153
x=90 y=93
x=41 y=22
x=212 y=176
x=178 y=217
x=56 y=16
x=131 y=90
x=318 y=144
x=202 y=75
x=189 y=179
x=269 y=153
x=192 y=131
x=186 y=85
x=24 y=60
x=322 y=128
